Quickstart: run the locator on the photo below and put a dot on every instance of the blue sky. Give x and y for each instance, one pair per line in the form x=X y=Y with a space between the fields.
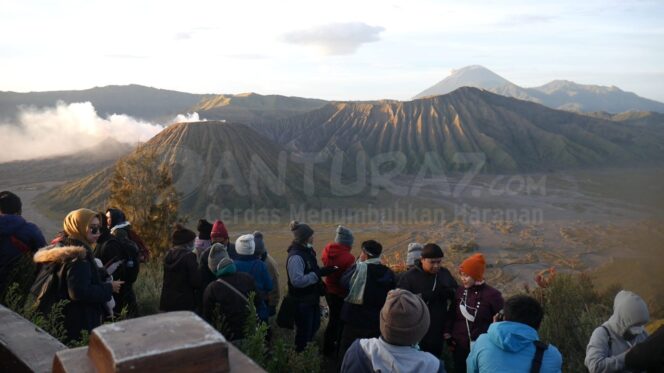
x=343 y=50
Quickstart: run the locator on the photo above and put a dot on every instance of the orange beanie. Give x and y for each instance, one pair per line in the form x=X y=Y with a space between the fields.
x=474 y=267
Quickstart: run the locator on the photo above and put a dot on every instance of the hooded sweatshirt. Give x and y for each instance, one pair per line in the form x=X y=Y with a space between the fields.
x=376 y=355
x=509 y=347
x=28 y=233
x=629 y=311
x=182 y=280
x=336 y=254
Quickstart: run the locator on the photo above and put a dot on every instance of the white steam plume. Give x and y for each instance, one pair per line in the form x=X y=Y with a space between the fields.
x=69 y=128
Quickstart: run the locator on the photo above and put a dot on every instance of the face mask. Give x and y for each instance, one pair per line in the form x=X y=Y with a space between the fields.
x=311 y=246
x=635 y=330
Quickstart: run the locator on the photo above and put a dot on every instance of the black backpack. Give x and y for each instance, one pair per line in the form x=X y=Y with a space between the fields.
x=130 y=255
x=50 y=287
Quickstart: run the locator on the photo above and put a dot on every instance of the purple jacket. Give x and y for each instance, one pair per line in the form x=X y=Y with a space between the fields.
x=484 y=302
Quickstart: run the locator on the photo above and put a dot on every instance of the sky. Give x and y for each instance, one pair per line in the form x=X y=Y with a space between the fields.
x=335 y=50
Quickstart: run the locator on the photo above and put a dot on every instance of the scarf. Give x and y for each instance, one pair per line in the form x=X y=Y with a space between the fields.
x=359 y=281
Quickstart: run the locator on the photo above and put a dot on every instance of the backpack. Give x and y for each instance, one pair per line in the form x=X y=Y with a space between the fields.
x=540 y=347
x=143 y=251
x=50 y=287
x=130 y=255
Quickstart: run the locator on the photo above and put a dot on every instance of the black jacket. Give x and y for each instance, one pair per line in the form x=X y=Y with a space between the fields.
x=380 y=280
x=232 y=307
x=647 y=355
x=181 y=281
x=439 y=299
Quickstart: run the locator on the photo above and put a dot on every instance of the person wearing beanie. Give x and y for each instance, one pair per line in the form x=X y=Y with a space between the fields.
x=19 y=241
x=337 y=253
x=221 y=300
x=182 y=279
x=475 y=305
x=218 y=235
x=610 y=342
x=368 y=281
x=203 y=240
x=248 y=263
x=86 y=292
x=261 y=253
x=414 y=253
x=435 y=284
x=304 y=285
x=512 y=344
x=404 y=320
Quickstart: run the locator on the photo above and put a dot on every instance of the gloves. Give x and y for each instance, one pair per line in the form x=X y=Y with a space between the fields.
x=328 y=270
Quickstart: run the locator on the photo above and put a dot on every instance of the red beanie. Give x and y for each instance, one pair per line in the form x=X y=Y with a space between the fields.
x=219 y=230
x=474 y=267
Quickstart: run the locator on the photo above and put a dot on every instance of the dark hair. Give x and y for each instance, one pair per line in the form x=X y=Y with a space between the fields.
x=524 y=309
x=431 y=250
x=10 y=203
x=372 y=248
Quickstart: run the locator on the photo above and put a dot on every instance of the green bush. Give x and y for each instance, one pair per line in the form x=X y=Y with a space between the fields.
x=148 y=287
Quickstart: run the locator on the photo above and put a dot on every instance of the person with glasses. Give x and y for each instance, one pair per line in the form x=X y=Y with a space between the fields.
x=80 y=280
x=476 y=304
x=435 y=284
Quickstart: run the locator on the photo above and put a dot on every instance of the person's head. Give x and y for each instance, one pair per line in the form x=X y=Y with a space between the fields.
x=219 y=261
x=344 y=236
x=183 y=237
x=414 y=253
x=245 y=245
x=431 y=258
x=630 y=314
x=204 y=229
x=302 y=233
x=83 y=225
x=523 y=309
x=260 y=251
x=114 y=216
x=472 y=269
x=219 y=232
x=10 y=203
x=404 y=318
x=371 y=249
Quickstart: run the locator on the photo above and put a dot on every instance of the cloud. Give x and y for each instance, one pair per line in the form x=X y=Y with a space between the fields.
x=336 y=38
x=68 y=128
x=517 y=20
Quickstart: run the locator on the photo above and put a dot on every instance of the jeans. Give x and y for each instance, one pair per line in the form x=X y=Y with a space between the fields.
x=307 y=322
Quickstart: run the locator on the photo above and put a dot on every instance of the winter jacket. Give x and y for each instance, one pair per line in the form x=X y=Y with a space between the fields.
x=232 y=307
x=490 y=302
x=336 y=254
x=27 y=233
x=206 y=275
x=648 y=355
x=628 y=310
x=257 y=269
x=380 y=280
x=275 y=294
x=181 y=281
x=375 y=355
x=86 y=292
x=437 y=291
x=304 y=282
x=509 y=347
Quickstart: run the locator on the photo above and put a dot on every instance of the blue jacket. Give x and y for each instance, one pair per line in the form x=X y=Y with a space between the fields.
x=509 y=347
x=258 y=270
x=28 y=233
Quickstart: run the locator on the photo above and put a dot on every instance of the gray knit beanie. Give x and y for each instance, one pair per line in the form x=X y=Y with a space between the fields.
x=217 y=253
x=404 y=319
x=414 y=253
x=344 y=236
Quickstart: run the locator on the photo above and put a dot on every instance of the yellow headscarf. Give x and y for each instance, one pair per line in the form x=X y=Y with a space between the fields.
x=76 y=224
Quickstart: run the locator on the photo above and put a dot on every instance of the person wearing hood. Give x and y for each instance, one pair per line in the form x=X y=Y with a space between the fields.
x=261 y=253
x=218 y=235
x=611 y=341
x=84 y=289
x=513 y=345
x=120 y=253
x=182 y=279
x=338 y=254
x=404 y=320
x=19 y=240
x=248 y=263
x=475 y=305
x=203 y=240
x=413 y=254
x=230 y=293
x=368 y=281
x=304 y=284
x=435 y=284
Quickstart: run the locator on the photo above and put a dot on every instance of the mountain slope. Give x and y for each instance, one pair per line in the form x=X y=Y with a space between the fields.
x=137 y=101
x=215 y=166
x=513 y=135
x=558 y=94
